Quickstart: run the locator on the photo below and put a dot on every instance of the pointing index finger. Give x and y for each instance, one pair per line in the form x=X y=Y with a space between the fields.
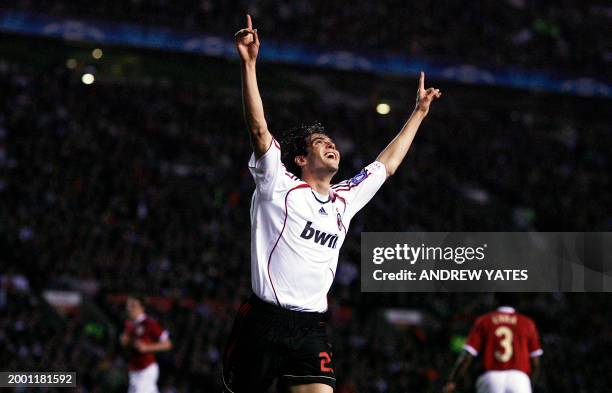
x=249 y=22
x=422 y=81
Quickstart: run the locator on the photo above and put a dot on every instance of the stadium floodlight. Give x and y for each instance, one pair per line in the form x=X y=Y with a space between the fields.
x=88 y=79
x=97 y=53
x=71 y=63
x=383 y=108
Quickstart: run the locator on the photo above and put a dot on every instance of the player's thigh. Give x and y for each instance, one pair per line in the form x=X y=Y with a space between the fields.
x=151 y=378
x=150 y=387
x=249 y=372
x=249 y=359
x=518 y=382
x=310 y=388
x=135 y=381
x=491 y=382
x=309 y=366
x=132 y=386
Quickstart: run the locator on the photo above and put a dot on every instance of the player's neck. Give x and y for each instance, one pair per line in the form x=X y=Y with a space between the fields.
x=139 y=317
x=320 y=185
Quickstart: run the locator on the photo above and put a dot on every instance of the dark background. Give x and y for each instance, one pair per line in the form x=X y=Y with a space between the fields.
x=138 y=182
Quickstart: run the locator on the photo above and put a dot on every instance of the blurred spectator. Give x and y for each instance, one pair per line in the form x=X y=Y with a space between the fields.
x=568 y=36
x=142 y=186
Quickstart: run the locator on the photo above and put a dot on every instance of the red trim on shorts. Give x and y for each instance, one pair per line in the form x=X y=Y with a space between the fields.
x=246 y=307
x=235 y=334
x=279 y=237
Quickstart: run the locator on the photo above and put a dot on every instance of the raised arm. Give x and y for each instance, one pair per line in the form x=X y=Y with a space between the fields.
x=393 y=155
x=247 y=44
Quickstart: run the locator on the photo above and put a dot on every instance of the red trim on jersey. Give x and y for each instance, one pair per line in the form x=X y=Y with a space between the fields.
x=343 y=183
x=279 y=237
x=235 y=334
x=342 y=198
x=291 y=175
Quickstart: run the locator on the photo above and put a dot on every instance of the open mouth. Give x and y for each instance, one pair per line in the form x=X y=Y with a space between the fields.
x=331 y=155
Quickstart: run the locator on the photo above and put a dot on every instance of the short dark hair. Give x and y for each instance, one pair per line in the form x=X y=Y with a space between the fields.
x=295 y=141
x=138 y=297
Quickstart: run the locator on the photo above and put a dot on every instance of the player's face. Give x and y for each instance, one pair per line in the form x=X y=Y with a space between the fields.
x=134 y=308
x=322 y=153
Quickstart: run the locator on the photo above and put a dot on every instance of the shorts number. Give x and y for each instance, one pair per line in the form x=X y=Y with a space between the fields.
x=506 y=342
x=325 y=360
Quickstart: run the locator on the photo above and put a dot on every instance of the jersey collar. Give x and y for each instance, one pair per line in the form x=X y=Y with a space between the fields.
x=316 y=195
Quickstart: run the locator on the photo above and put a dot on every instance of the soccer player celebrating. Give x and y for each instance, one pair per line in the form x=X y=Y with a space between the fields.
x=511 y=350
x=298 y=224
x=143 y=336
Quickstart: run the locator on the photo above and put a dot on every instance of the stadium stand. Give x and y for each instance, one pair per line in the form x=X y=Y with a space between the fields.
x=140 y=185
x=570 y=35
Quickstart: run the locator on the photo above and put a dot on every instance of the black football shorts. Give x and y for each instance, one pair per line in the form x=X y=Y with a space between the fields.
x=269 y=342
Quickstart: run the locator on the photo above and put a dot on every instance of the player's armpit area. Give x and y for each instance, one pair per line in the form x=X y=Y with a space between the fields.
x=261 y=142
x=258 y=158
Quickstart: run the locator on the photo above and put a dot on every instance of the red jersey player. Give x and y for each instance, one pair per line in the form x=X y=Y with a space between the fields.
x=143 y=336
x=510 y=347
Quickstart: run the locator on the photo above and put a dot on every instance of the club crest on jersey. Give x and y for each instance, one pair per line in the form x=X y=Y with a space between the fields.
x=320 y=237
x=322 y=211
x=358 y=178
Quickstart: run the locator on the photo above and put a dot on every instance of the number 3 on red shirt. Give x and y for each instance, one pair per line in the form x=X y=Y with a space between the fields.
x=506 y=343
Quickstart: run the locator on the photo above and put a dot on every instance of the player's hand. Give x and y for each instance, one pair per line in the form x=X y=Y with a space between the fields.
x=449 y=387
x=141 y=346
x=425 y=96
x=247 y=42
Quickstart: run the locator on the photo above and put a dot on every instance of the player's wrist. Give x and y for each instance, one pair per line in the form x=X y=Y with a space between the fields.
x=421 y=112
x=248 y=63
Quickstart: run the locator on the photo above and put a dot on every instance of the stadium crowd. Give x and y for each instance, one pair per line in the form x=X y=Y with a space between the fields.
x=512 y=32
x=142 y=186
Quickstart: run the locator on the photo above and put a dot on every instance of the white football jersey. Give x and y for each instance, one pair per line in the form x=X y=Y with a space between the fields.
x=296 y=234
